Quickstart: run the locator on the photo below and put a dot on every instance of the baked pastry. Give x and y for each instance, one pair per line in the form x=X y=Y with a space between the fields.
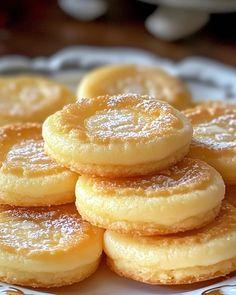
x=139 y=79
x=230 y=194
x=117 y=136
x=185 y=196
x=214 y=136
x=30 y=98
x=184 y=258
x=47 y=246
x=28 y=177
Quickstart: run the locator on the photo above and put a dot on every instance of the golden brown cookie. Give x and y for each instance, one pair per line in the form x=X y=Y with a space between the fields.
x=139 y=79
x=214 y=136
x=184 y=258
x=30 y=98
x=28 y=177
x=47 y=246
x=117 y=136
x=185 y=196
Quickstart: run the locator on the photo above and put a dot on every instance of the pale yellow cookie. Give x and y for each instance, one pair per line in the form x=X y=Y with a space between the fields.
x=30 y=98
x=183 y=258
x=214 y=136
x=28 y=177
x=117 y=136
x=139 y=79
x=185 y=196
x=47 y=246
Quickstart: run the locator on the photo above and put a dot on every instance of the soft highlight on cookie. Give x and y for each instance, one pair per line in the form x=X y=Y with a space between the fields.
x=182 y=197
x=47 y=247
x=139 y=79
x=117 y=136
x=28 y=177
x=30 y=98
x=214 y=136
x=184 y=258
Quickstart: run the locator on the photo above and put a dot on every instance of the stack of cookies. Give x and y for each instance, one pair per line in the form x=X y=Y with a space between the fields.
x=43 y=240
x=130 y=164
x=163 y=212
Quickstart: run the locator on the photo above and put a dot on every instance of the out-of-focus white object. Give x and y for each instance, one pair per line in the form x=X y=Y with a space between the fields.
x=169 y=23
x=84 y=10
x=177 y=19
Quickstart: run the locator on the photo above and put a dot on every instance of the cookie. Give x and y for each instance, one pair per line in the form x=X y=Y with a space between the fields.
x=117 y=136
x=28 y=177
x=138 y=79
x=184 y=258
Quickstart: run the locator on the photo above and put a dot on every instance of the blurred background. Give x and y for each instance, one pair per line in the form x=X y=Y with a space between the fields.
x=41 y=28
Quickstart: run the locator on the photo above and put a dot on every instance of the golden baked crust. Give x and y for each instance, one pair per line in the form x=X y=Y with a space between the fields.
x=47 y=246
x=185 y=196
x=123 y=135
x=214 y=136
x=183 y=258
x=176 y=277
x=139 y=79
x=30 y=98
x=230 y=194
x=24 y=168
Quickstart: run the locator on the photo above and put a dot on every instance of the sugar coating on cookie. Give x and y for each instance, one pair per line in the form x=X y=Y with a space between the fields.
x=28 y=176
x=139 y=79
x=214 y=136
x=47 y=247
x=185 y=196
x=30 y=98
x=184 y=258
x=123 y=135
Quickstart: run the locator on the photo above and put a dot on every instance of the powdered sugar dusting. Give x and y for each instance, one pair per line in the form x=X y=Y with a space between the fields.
x=21 y=96
x=41 y=229
x=128 y=116
x=27 y=156
x=214 y=126
x=187 y=174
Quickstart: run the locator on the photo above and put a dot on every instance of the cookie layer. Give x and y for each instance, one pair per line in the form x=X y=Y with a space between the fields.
x=47 y=247
x=185 y=196
x=183 y=258
x=28 y=177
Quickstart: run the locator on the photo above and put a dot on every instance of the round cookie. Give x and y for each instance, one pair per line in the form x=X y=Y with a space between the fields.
x=117 y=136
x=184 y=258
x=185 y=196
x=47 y=246
x=28 y=177
x=30 y=98
x=214 y=136
x=230 y=194
x=139 y=79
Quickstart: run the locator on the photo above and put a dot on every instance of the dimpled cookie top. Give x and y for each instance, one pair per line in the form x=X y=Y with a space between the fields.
x=43 y=229
x=22 y=151
x=187 y=175
x=30 y=98
x=139 y=79
x=214 y=126
x=124 y=118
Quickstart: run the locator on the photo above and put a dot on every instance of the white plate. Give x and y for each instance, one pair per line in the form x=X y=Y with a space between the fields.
x=206 y=78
